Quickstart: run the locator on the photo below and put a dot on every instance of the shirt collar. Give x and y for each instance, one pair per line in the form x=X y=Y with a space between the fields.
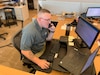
x=37 y=25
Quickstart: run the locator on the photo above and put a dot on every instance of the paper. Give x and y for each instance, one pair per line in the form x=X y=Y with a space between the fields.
x=70 y=38
x=63 y=27
x=71 y=43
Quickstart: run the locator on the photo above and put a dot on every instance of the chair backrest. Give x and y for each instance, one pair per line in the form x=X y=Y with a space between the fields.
x=16 y=40
x=1 y=21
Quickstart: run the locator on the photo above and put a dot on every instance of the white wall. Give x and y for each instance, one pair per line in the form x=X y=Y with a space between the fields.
x=97 y=1
x=60 y=6
x=85 y=5
x=35 y=3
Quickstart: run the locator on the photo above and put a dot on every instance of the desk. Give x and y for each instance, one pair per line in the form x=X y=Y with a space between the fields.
x=97 y=59
x=52 y=73
x=19 y=12
x=4 y=70
x=2 y=10
x=57 y=34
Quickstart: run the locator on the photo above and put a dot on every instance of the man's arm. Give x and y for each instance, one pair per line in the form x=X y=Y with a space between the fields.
x=40 y=62
x=50 y=36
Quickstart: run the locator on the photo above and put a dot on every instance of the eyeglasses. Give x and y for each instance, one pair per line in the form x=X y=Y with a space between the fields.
x=46 y=19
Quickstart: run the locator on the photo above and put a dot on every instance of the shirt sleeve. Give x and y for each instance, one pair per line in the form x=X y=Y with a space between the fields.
x=26 y=41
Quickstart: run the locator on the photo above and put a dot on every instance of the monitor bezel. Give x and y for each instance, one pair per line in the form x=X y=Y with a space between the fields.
x=92 y=27
x=92 y=16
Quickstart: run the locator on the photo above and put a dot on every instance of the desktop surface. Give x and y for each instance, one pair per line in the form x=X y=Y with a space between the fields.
x=60 y=32
x=54 y=72
x=4 y=70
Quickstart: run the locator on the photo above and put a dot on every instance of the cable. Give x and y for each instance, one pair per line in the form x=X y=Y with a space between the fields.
x=7 y=45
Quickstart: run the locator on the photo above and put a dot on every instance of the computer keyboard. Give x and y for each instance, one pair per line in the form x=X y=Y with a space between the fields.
x=52 y=48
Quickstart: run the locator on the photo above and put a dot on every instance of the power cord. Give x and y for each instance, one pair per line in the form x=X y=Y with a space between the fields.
x=10 y=45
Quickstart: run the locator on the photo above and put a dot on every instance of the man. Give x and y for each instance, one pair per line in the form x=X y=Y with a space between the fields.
x=34 y=36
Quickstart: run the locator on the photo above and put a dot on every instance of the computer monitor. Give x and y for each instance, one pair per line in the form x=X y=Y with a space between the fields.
x=93 y=12
x=16 y=0
x=86 y=31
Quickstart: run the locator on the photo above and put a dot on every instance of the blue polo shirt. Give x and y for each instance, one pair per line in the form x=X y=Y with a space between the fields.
x=33 y=37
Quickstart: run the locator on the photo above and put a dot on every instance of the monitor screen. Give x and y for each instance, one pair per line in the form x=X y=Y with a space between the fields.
x=86 y=31
x=16 y=0
x=90 y=59
x=93 y=12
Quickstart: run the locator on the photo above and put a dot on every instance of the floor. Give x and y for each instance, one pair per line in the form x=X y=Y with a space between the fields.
x=9 y=56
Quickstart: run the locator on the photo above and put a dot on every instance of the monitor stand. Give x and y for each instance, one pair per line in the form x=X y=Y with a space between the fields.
x=80 y=46
x=79 y=43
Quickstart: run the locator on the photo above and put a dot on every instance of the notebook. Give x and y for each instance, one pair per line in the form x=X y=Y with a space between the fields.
x=76 y=62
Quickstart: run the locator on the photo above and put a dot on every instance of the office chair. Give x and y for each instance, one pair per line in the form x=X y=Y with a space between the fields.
x=16 y=43
x=1 y=35
x=10 y=17
x=1 y=21
x=26 y=62
x=99 y=73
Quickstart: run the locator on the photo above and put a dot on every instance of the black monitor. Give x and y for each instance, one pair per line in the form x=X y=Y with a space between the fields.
x=86 y=31
x=93 y=12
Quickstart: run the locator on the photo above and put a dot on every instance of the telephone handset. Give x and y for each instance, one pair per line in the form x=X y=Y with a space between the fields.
x=50 y=25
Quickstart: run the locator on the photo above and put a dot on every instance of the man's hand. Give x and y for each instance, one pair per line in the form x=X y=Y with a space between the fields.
x=52 y=28
x=40 y=62
x=43 y=64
